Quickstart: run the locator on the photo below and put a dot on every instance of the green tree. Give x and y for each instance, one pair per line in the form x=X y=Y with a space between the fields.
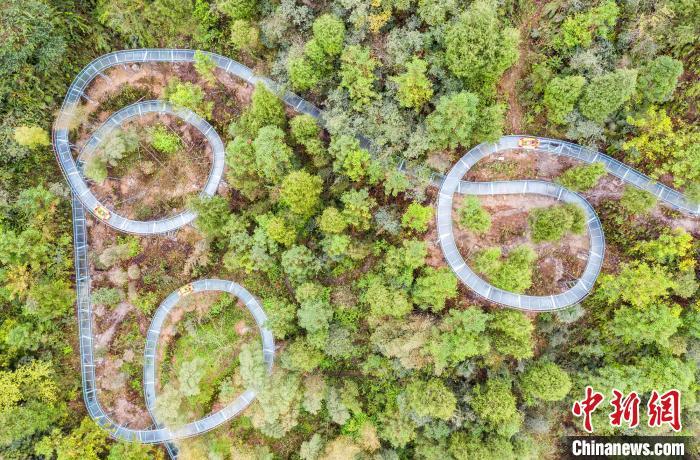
x=300 y=264
x=478 y=48
x=583 y=177
x=357 y=208
x=300 y=356
x=638 y=284
x=31 y=136
x=551 y=224
x=134 y=451
x=357 y=76
x=383 y=299
x=237 y=9
x=434 y=288
x=165 y=141
x=329 y=33
x=417 y=217
x=511 y=333
x=303 y=75
x=205 y=67
x=430 y=399
x=473 y=216
x=658 y=78
x=434 y=12
x=245 y=36
x=350 y=159
x=265 y=109
x=451 y=123
x=560 y=96
x=544 y=381
x=189 y=95
x=332 y=221
x=653 y=323
x=281 y=316
x=301 y=192
x=514 y=274
x=88 y=442
x=606 y=93
x=190 y=375
x=495 y=405
x=460 y=335
x=212 y=214
x=279 y=229
x=273 y=157
x=578 y=30
x=464 y=446
x=34 y=43
x=315 y=311
x=414 y=88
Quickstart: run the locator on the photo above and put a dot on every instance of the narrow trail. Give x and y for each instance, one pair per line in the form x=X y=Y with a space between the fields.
x=514 y=75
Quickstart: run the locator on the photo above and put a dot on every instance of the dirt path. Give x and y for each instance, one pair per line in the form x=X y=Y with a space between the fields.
x=508 y=85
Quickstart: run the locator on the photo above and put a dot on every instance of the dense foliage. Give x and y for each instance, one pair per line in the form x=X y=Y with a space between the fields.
x=382 y=353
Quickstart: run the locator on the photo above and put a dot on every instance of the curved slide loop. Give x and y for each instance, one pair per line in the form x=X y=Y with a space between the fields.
x=454 y=183
x=215 y=419
x=123 y=224
x=83 y=198
x=76 y=93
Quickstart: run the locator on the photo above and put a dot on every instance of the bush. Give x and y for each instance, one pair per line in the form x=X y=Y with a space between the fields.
x=637 y=201
x=551 y=224
x=582 y=178
x=107 y=296
x=512 y=274
x=96 y=169
x=165 y=141
x=473 y=216
x=190 y=96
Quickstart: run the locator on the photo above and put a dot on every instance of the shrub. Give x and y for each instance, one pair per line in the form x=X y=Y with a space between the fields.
x=551 y=224
x=582 y=178
x=512 y=274
x=107 y=296
x=190 y=96
x=165 y=141
x=473 y=216
x=637 y=201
